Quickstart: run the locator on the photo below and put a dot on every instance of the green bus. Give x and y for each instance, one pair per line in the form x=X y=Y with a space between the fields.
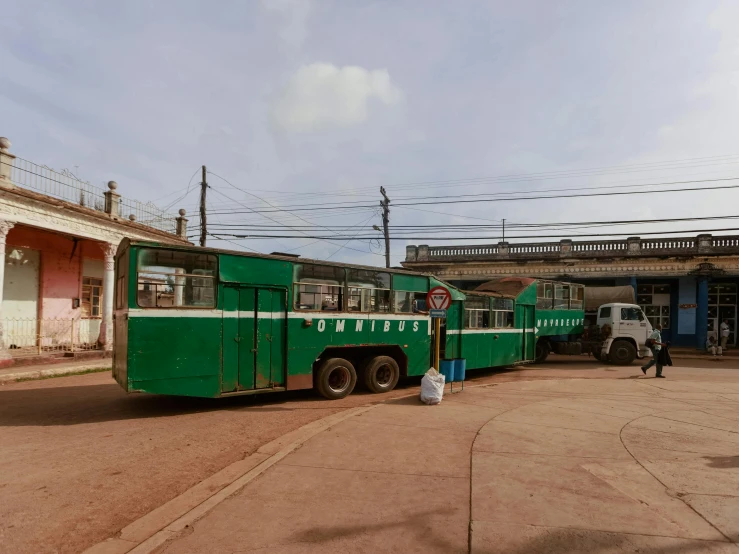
x=208 y=322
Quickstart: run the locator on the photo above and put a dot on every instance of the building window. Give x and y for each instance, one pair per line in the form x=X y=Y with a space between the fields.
x=92 y=293
x=476 y=313
x=502 y=313
x=655 y=301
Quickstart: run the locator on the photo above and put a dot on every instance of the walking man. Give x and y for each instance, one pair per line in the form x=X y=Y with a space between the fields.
x=655 y=345
x=725 y=331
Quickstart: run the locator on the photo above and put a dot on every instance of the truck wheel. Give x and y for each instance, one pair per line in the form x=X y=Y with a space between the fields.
x=381 y=374
x=543 y=348
x=622 y=352
x=335 y=378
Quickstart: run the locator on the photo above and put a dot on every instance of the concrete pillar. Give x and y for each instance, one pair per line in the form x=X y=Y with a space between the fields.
x=632 y=282
x=705 y=244
x=179 y=286
x=106 y=324
x=701 y=313
x=5 y=358
x=423 y=252
x=633 y=246
x=411 y=253
x=182 y=225
x=502 y=249
x=6 y=164
x=112 y=200
x=565 y=248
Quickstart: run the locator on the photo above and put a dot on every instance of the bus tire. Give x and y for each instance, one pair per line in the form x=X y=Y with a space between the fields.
x=542 y=350
x=381 y=374
x=335 y=378
x=622 y=352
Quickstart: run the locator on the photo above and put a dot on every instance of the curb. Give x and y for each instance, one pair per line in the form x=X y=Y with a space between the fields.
x=51 y=372
x=146 y=534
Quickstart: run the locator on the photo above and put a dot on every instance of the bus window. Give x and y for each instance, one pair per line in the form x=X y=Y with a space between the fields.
x=173 y=279
x=476 y=313
x=561 y=297
x=369 y=291
x=409 y=302
x=577 y=296
x=502 y=313
x=544 y=295
x=319 y=287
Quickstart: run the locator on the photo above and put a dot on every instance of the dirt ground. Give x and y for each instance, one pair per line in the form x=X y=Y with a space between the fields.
x=81 y=459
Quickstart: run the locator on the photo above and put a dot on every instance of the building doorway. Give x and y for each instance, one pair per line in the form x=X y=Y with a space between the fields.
x=655 y=301
x=722 y=305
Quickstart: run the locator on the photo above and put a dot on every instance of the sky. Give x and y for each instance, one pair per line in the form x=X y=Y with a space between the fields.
x=300 y=103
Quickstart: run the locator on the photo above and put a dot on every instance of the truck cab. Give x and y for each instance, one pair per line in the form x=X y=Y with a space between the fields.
x=629 y=330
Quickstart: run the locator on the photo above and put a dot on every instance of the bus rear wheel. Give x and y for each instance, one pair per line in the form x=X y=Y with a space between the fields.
x=336 y=378
x=381 y=374
x=542 y=350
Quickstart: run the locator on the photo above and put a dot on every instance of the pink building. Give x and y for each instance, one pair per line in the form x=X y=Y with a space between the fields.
x=59 y=236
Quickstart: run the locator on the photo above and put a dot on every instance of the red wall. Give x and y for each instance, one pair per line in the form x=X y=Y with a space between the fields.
x=61 y=268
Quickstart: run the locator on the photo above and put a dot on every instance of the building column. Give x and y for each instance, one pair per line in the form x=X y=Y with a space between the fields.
x=632 y=282
x=106 y=324
x=701 y=314
x=5 y=357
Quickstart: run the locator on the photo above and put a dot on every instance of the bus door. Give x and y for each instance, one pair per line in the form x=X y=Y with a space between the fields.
x=528 y=346
x=254 y=338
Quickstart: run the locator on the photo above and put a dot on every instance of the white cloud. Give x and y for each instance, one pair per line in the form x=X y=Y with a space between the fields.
x=320 y=96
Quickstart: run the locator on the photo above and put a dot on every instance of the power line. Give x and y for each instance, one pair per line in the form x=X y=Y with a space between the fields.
x=474 y=227
x=519 y=177
x=437 y=202
x=266 y=217
x=437 y=238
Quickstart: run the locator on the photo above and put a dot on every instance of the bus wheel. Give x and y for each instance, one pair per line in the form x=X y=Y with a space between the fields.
x=381 y=374
x=542 y=350
x=336 y=378
x=622 y=352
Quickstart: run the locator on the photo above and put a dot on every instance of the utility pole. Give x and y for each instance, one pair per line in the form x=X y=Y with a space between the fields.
x=385 y=222
x=203 y=216
x=504 y=230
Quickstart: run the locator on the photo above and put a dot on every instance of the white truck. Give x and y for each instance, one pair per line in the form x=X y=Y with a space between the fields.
x=624 y=332
x=618 y=336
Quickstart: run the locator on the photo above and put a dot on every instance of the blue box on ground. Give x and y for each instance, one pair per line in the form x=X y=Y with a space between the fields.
x=460 y=369
x=447 y=370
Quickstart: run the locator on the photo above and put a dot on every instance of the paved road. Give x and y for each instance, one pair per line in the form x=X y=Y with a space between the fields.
x=81 y=459
x=539 y=467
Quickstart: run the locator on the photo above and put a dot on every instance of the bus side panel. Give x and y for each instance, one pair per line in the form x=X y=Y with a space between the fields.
x=177 y=355
x=416 y=343
x=559 y=322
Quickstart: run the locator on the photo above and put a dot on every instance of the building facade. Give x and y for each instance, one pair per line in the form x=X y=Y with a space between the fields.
x=687 y=284
x=58 y=236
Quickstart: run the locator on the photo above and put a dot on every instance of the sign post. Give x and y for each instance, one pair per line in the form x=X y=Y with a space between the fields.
x=438 y=300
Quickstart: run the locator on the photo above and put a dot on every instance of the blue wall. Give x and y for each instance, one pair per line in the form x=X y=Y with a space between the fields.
x=685 y=335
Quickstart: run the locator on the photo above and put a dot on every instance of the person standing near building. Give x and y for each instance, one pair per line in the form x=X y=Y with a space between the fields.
x=725 y=332
x=654 y=342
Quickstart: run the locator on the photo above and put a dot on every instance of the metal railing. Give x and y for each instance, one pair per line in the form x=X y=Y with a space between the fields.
x=66 y=186
x=33 y=337
x=703 y=244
